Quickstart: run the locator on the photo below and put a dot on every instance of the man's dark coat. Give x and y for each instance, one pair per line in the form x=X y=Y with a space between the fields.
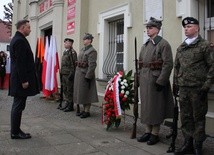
x=22 y=67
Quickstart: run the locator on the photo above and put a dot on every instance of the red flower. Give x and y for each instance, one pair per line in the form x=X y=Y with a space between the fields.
x=124 y=99
x=121 y=95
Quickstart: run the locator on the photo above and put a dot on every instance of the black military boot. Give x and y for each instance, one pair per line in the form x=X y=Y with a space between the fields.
x=187 y=147
x=64 y=107
x=198 y=147
x=70 y=107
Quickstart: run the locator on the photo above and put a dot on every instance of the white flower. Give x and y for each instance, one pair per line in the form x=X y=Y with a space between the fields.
x=124 y=80
x=122 y=87
x=126 y=84
x=111 y=87
x=122 y=83
x=127 y=92
x=122 y=91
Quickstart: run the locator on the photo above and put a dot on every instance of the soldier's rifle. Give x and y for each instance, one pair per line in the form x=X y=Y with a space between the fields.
x=174 y=132
x=61 y=92
x=136 y=84
x=74 y=64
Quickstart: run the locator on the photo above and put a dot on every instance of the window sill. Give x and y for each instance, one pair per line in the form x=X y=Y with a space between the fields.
x=102 y=80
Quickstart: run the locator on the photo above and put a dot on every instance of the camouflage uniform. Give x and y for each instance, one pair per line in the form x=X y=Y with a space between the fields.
x=67 y=73
x=193 y=73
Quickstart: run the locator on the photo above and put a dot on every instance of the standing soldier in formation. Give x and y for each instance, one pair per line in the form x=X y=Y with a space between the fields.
x=67 y=74
x=155 y=65
x=85 y=91
x=193 y=76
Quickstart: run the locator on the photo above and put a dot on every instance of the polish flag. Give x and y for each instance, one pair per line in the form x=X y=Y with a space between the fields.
x=45 y=92
x=51 y=68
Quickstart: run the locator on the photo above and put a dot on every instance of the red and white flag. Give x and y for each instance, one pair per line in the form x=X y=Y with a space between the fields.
x=50 y=68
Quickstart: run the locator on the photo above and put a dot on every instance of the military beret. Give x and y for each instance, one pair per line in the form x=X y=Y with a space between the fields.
x=154 y=23
x=68 y=39
x=189 y=20
x=88 y=36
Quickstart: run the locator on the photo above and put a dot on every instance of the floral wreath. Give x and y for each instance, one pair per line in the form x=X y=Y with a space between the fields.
x=119 y=94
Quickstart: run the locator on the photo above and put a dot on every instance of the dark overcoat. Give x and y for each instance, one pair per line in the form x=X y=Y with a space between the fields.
x=84 y=92
x=22 y=67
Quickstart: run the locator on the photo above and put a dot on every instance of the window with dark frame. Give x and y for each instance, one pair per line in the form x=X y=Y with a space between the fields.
x=8 y=48
x=210 y=14
x=210 y=8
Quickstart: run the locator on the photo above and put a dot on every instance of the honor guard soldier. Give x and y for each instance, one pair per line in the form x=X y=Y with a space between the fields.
x=85 y=91
x=193 y=76
x=155 y=66
x=68 y=66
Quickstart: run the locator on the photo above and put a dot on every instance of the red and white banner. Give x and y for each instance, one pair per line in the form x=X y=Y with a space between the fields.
x=71 y=2
x=50 y=68
x=117 y=108
x=71 y=27
x=44 y=6
x=71 y=12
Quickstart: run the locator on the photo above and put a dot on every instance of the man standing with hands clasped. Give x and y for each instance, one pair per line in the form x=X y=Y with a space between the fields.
x=155 y=66
x=193 y=76
x=23 y=81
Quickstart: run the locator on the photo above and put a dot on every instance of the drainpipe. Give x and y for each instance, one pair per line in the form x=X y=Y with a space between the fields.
x=210 y=11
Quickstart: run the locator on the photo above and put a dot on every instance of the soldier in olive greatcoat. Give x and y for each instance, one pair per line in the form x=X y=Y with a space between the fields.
x=85 y=91
x=156 y=63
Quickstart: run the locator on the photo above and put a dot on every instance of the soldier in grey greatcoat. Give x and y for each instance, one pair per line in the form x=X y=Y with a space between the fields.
x=155 y=65
x=193 y=76
x=68 y=66
x=85 y=91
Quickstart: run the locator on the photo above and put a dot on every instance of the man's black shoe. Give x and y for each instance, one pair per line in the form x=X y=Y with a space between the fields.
x=64 y=107
x=198 y=147
x=85 y=115
x=198 y=151
x=144 y=138
x=80 y=113
x=20 y=136
x=24 y=133
x=68 y=109
x=187 y=148
x=59 y=107
x=154 y=139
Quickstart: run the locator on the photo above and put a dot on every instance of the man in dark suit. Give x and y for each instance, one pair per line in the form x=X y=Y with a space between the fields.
x=23 y=81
